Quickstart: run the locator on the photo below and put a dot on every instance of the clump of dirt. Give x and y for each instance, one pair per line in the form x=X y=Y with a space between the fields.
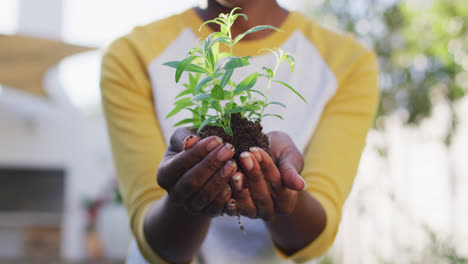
x=247 y=134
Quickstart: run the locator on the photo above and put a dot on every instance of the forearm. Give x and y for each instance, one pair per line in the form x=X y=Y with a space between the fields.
x=294 y=232
x=173 y=233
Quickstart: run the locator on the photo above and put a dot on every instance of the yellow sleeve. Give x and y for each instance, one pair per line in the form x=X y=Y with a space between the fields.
x=333 y=153
x=137 y=143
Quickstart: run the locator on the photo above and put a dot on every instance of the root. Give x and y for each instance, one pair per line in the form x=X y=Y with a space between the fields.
x=240 y=224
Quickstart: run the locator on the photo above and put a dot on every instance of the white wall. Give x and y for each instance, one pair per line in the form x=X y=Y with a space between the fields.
x=43 y=134
x=41 y=18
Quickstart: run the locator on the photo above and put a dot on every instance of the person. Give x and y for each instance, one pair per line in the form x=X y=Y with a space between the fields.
x=175 y=185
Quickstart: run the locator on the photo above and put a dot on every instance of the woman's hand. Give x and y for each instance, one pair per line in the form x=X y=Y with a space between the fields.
x=272 y=188
x=196 y=172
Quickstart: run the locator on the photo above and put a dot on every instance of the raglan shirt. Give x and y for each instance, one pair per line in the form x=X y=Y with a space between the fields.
x=336 y=75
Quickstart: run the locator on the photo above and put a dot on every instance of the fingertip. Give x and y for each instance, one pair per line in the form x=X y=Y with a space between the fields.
x=247 y=161
x=256 y=153
x=231 y=207
x=265 y=157
x=292 y=180
x=305 y=184
x=237 y=181
x=214 y=142
x=190 y=141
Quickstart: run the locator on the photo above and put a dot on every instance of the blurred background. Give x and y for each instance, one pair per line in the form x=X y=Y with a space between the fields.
x=59 y=201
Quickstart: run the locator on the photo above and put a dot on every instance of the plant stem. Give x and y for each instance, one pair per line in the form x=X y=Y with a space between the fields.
x=268 y=89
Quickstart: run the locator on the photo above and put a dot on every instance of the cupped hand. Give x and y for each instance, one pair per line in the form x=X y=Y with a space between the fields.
x=195 y=173
x=272 y=182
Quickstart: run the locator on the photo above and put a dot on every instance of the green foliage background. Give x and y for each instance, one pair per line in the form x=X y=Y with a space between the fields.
x=422 y=47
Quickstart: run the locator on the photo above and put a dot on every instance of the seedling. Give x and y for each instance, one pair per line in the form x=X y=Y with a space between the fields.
x=211 y=94
x=215 y=99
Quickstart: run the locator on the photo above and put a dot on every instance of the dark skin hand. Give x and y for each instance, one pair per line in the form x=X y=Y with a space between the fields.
x=195 y=173
x=293 y=217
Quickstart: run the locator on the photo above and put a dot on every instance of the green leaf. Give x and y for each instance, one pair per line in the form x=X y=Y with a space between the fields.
x=257 y=92
x=193 y=80
x=211 y=59
x=196 y=68
x=226 y=77
x=217 y=92
x=252 y=107
x=186 y=121
x=229 y=106
x=223 y=55
x=172 y=64
x=291 y=62
x=247 y=83
x=215 y=105
x=184 y=92
x=271 y=51
x=243 y=99
x=206 y=43
x=195 y=50
x=223 y=39
x=269 y=72
x=204 y=108
x=239 y=109
x=276 y=103
x=206 y=122
x=278 y=116
x=214 y=21
x=182 y=101
x=189 y=68
x=179 y=107
x=292 y=89
x=205 y=81
x=231 y=14
x=258 y=102
x=252 y=30
x=236 y=62
x=224 y=29
x=201 y=96
x=182 y=66
x=195 y=112
x=234 y=17
x=228 y=131
x=227 y=116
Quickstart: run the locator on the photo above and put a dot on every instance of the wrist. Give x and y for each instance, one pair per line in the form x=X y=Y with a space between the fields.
x=178 y=209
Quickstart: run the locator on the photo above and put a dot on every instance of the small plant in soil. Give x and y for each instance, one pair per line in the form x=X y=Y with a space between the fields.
x=219 y=106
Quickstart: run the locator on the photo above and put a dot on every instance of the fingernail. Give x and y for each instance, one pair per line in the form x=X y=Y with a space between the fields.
x=227 y=191
x=214 y=143
x=237 y=178
x=305 y=184
x=248 y=163
x=256 y=153
x=230 y=165
x=187 y=139
x=226 y=152
x=231 y=206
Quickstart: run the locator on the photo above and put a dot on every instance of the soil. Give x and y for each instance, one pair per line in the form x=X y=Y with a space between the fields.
x=247 y=134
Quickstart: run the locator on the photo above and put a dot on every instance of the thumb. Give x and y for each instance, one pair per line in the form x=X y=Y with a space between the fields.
x=182 y=139
x=291 y=179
